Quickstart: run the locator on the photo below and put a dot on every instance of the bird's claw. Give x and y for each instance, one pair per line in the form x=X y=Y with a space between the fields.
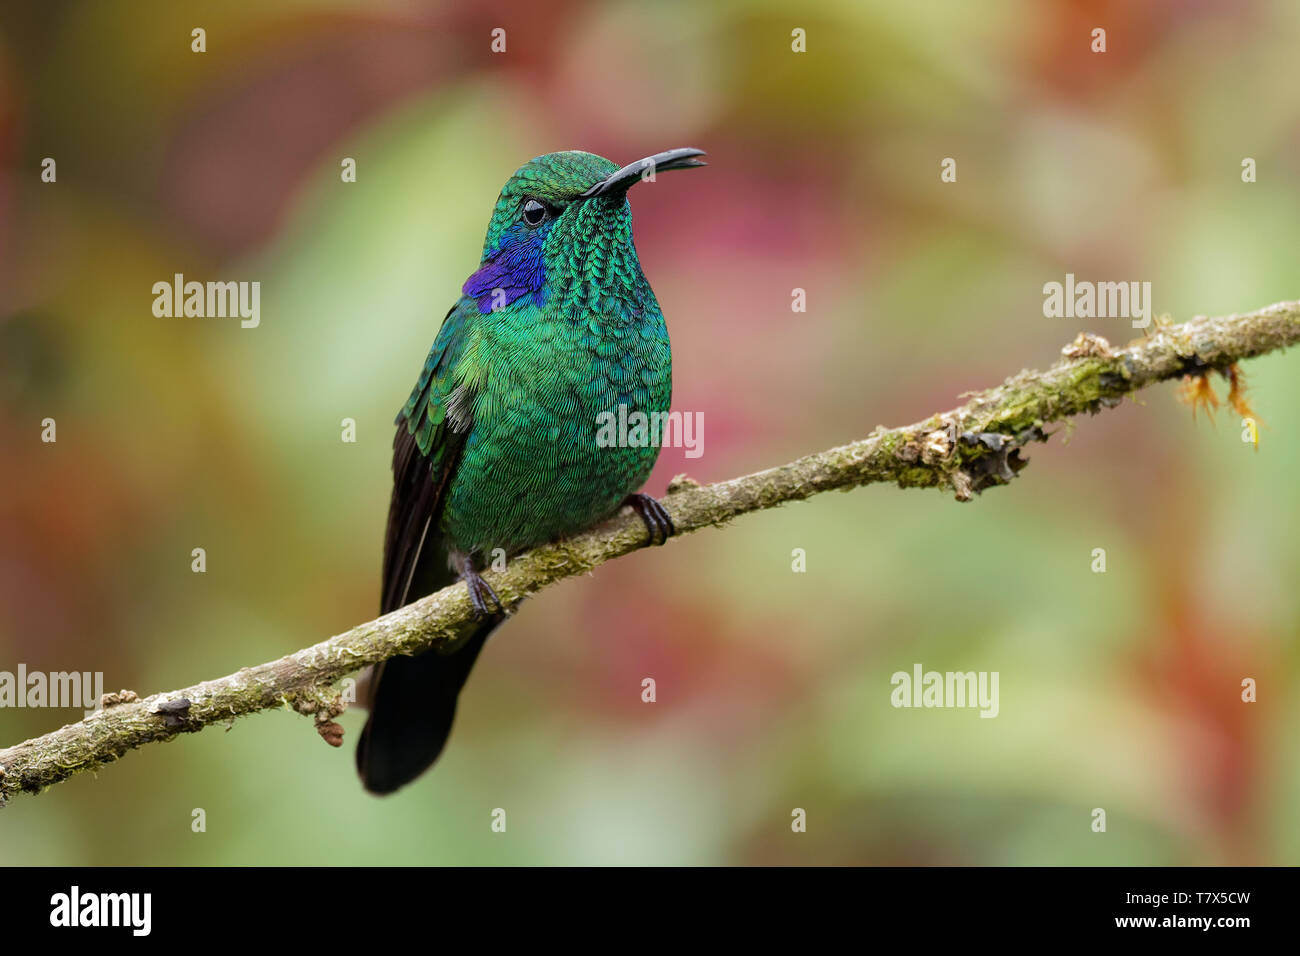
x=655 y=516
x=481 y=596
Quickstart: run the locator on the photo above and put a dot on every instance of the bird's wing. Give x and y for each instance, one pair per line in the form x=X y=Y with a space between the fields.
x=431 y=432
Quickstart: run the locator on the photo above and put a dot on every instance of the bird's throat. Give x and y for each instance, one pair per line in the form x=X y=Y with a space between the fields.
x=587 y=264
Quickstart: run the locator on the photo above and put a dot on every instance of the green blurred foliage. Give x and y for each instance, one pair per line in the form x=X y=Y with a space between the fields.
x=1118 y=690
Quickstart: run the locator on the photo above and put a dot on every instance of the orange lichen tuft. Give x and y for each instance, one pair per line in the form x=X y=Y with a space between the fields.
x=1250 y=422
x=1237 y=392
x=1198 y=393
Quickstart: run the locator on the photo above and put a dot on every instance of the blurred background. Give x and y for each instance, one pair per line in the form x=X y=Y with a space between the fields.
x=1118 y=690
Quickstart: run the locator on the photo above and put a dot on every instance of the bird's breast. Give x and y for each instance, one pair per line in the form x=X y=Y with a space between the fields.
x=541 y=459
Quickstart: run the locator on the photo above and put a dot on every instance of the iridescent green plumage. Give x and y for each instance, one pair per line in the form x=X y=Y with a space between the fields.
x=496 y=447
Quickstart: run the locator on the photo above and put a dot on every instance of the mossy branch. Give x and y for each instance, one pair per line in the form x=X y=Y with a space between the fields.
x=967 y=449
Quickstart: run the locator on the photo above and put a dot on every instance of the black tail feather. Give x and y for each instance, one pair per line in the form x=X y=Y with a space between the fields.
x=413 y=704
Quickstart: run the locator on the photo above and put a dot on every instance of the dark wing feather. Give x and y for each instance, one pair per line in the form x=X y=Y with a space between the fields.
x=426 y=451
x=413 y=699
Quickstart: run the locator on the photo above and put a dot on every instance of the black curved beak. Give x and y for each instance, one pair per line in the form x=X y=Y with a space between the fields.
x=623 y=179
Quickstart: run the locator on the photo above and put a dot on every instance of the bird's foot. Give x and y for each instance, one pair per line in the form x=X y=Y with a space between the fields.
x=482 y=598
x=655 y=516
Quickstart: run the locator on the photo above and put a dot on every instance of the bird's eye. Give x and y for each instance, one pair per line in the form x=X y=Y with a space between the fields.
x=534 y=212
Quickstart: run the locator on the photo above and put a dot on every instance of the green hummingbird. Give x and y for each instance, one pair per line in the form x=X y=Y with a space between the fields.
x=496 y=447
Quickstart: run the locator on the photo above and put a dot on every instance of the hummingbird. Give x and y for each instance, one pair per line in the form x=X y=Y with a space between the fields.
x=496 y=448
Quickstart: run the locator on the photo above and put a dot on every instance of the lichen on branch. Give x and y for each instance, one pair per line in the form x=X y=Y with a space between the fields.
x=966 y=450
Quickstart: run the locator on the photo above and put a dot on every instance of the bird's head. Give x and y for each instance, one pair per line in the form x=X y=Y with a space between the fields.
x=561 y=219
